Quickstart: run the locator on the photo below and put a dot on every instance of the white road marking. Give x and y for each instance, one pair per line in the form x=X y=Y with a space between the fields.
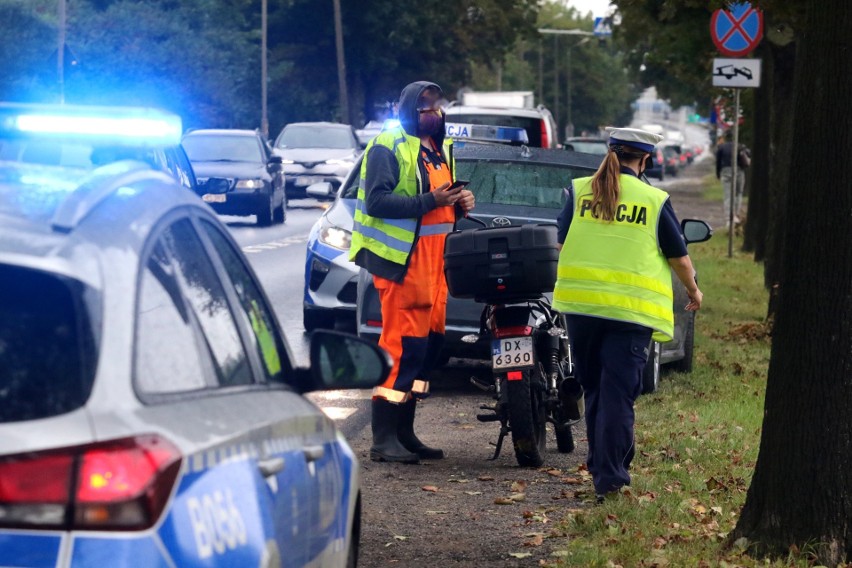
x=276 y=244
x=338 y=413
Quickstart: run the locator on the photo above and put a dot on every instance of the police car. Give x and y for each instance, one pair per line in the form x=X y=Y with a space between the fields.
x=150 y=413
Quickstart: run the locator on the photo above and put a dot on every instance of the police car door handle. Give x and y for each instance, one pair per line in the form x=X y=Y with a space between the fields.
x=270 y=467
x=313 y=453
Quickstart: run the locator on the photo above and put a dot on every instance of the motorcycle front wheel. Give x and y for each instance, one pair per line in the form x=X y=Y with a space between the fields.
x=528 y=417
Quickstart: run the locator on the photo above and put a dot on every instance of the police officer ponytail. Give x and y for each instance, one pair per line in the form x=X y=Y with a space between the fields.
x=605 y=186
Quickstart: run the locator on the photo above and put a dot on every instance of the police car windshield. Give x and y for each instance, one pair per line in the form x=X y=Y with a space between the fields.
x=517 y=183
x=47 y=345
x=225 y=148
x=33 y=191
x=316 y=137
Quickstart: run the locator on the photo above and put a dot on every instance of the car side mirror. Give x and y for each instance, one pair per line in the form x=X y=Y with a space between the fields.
x=695 y=231
x=215 y=186
x=322 y=190
x=343 y=361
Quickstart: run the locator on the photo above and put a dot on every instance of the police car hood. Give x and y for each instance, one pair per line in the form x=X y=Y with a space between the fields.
x=342 y=214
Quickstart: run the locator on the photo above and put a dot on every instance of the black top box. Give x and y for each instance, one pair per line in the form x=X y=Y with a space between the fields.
x=501 y=264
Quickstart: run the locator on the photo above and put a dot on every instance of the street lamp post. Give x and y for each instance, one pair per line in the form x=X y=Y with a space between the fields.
x=556 y=33
x=341 y=64
x=264 y=117
x=569 y=126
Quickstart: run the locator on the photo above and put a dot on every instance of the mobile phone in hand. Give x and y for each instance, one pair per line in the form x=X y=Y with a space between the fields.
x=459 y=183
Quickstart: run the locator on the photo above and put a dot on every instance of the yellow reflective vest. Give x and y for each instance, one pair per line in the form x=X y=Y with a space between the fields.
x=616 y=270
x=392 y=239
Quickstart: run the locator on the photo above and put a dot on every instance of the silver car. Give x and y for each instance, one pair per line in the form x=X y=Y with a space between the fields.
x=150 y=413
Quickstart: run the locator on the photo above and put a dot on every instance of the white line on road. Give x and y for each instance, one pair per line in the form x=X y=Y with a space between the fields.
x=277 y=244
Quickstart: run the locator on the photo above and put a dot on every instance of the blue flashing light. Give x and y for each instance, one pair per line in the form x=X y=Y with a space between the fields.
x=124 y=126
x=390 y=123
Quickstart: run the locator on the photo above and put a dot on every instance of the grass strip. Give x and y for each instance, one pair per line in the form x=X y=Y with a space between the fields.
x=697 y=440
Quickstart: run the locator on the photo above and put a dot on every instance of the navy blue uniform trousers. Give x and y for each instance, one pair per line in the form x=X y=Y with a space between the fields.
x=609 y=357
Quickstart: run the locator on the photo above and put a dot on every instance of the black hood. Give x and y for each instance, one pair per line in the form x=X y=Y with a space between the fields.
x=409 y=118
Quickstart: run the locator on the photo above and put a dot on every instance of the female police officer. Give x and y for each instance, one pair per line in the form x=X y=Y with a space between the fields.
x=620 y=237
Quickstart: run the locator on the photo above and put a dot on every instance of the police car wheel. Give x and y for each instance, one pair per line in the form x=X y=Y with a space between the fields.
x=651 y=373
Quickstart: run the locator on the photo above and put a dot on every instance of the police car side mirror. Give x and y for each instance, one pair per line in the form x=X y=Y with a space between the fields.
x=344 y=361
x=695 y=231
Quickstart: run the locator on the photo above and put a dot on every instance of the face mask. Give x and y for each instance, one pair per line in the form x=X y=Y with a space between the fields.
x=430 y=123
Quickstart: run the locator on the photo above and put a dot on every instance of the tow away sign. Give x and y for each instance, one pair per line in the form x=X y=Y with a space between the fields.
x=736 y=72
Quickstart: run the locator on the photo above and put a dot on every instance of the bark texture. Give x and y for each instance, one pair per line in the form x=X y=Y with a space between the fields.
x=801 y=492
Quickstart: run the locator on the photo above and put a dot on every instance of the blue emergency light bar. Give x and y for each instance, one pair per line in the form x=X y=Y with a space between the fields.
x=123 y=126
x=487 y=133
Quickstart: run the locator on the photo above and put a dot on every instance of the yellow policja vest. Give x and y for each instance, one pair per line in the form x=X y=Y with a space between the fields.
x=615 y=270
x=392 y=239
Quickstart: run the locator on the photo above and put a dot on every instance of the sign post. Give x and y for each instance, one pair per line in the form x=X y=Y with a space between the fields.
x=736 y=32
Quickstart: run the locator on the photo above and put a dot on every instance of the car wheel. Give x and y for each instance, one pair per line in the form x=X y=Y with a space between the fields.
x=685 y=365
x=280 y=213
x=317 y=319
x=651 y=374
x=264 y=214
x=355 y=539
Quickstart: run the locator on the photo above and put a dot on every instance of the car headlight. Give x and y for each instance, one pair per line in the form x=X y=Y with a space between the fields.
x=287 y=162
x=334 y=236
x=339 y=162
x=250 y=184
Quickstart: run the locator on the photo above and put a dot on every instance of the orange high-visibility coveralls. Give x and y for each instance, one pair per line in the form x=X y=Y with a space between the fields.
x=414 y=312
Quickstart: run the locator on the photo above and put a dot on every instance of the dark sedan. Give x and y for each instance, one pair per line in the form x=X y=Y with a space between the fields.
x=514 y=186
x=243 y=158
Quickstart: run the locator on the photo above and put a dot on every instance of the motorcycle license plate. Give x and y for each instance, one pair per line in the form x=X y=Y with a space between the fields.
x=511 y=352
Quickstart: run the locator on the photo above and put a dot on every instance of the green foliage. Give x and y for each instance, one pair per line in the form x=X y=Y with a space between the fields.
x=29 y=62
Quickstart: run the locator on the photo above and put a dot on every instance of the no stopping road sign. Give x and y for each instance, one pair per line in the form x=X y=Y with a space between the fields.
x=737 y=30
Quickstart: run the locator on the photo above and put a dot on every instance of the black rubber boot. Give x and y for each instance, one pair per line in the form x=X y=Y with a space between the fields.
x=409 y=439
x=386 y=445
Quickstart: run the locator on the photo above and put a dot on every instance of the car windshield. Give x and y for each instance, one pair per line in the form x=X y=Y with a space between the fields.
x=316 y=137
x=518 y=183
x=47 y=344
x=212 y=148
x=77 y=154
x=588 y=147
x=530 y=124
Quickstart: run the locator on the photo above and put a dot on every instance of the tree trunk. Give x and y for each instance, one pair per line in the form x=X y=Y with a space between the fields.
x=801 y=492
x=781 y=158
x=758 y=183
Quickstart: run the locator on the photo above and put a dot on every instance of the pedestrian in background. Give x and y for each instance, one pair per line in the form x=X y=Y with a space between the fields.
x=621 y=238
x=725 y=172
x=407 y=204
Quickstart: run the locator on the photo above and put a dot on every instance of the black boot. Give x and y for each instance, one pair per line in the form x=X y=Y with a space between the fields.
x=386 y=446
x=408 y=438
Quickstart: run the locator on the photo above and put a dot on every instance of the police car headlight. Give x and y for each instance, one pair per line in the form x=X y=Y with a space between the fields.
x=341 y=162
x=250 y=184
x=334 y=236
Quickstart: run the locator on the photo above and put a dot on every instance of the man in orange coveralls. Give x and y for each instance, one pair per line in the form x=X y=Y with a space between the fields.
x=407 y=203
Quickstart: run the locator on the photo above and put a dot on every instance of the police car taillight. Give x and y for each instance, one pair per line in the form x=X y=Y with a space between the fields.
x=118 y=485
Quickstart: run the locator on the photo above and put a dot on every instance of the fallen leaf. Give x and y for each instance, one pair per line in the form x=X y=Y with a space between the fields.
x=660 y=542
x=400 y=537
x=572 y=480
x=485 y=478
x=560 y=553
x=459 y=481
x=533 y=534
x=474 y=492
x=741 y=544
x=520 y=554
x=537 y=540
x=519 y=486
x=503 y=501
x=716 y=510
x=553 y=472
x=430 y=488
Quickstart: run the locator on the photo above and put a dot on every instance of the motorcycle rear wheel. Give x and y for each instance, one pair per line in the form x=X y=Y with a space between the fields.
x=528 y=418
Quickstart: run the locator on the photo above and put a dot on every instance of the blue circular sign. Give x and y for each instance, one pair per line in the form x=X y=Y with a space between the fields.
x=737 y=30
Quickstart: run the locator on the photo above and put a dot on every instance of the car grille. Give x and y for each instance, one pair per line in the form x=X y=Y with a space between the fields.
x=349 y=293
x=309 y=165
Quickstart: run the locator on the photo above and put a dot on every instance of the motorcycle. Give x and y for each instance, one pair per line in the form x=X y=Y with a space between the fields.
x=531 y=361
